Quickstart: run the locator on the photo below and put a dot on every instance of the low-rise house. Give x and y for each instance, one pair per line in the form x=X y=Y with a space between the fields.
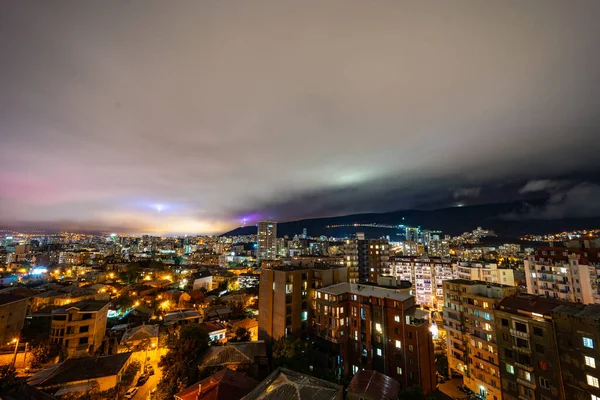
x=284 y=383
x=217 y=312
x=180 y=317
x=222 y=385
x=248 y=357
x=372 y=385
x=203 y=279
x=82 y=374
x=140 y=338
x=216 y=331
x=251 y=325
x=192 y=299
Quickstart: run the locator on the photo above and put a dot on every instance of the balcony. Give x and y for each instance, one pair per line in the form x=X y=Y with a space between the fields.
x=527 y=384
x=523 y=350
x=520 y=334
x=524 y=367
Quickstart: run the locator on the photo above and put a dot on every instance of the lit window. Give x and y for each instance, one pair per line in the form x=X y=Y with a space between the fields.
x=527 y=376
x=379 y=352
x=510 y=369
x=588 y=342
x=399 y=345
x=595 y=397
x=397 y=318
x=485 y=304
x=378 y=327
x=592 y=381
x=590 y=361
x=399 y=372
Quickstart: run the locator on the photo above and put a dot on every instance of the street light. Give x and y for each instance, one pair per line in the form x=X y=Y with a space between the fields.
x=16 y=342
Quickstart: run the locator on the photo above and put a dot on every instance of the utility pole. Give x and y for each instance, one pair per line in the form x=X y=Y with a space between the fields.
x=16 y=340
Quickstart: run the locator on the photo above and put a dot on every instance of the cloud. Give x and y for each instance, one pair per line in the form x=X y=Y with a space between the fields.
x=539 y=186
x=580 y=201
x=466 y=192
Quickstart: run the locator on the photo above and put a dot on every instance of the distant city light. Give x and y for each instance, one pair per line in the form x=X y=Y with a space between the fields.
x=39 y=271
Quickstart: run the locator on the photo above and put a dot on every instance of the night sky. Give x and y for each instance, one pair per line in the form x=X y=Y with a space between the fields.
x=188 y=116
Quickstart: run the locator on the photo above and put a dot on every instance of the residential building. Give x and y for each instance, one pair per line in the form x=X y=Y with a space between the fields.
x=372 y=385
x=286 y=294
x=284 y=383
x=140 y=338
x=251 y=325
x=13 y=310
x=248 y=357
x=529 y=357
x=366 y=327
x=487 y=272
x=411 y=234
x=181 y=317
x=80 y=327
x=412 y=248
x=366 y=258
x=578 y=338
x=203 y=279
x=266 y=247
x=439 y=248
x=217 y=332
x=82 y=374
x=564 y=273
x=427 y=275
x=222 y=385
x=471 y=334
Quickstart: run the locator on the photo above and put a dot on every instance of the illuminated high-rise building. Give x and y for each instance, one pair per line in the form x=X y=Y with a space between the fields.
x=266 y=246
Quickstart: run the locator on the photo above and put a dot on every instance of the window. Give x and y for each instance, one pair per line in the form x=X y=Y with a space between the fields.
x=595 y=397
x=521 y=327
x=590 y=361
x=379 y=352
x=504 y=322
x=508 y=353
x=510 y=369
x=592 y=381
x=545 y=383
x=83 y=340
x=588 y=342
x=485 y=305
x=378 y=327
x=538 y=331
x=410 y=347
x=397 y=318
x=539 y=348
x=398 y=346
x=527 y=376
x=399 y=371
x=83 y=329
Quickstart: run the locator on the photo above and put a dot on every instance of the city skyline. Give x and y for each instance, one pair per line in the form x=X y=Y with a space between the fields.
x=196 y=117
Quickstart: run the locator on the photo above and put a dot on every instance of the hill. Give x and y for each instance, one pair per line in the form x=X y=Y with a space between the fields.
x=452 y=221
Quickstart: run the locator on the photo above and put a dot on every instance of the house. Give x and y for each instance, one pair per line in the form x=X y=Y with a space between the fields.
x=223 y=385
x=182 y=317
x=192 y=299
x=143 y=337
x=249 y=357
x=372 y=385
x=286 y=384
x=80 y=374
x=13 y=310
x=80 y=327
x=203 y=279
x=251 y=325
x=217 y=312
x=216 y=331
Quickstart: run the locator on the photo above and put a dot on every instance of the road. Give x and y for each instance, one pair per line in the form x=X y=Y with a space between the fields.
x=450 y=388
x=144 y=390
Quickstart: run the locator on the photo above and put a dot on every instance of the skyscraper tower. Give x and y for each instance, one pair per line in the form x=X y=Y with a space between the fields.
x=266 y=246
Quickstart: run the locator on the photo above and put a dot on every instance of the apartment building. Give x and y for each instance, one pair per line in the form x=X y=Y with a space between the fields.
x=564 y=273
x=578 y=338
x=471 y=335
x=427 y=275
x=487 y=272
x=286 y=294
x=366 y=327
x=13 y=310
x=80 y=327
x=366 y=258
x=529 y=357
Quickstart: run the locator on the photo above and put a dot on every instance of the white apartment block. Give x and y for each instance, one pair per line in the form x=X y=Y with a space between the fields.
x=563 y=273
x=427 y=275
x=475 y=271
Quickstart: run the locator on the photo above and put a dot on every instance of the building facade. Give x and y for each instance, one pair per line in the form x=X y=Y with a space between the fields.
x=487 y=272
x=266 y=241
x=80 y=327
x=366 y=327
x=366 y=258
x=471 y=335
x=427 y=275
x=529 y=357
x=286 y=298
x=13 y=310
x=564 y=273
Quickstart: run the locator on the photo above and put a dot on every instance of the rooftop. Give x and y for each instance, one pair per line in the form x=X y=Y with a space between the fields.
x=375 y=384
x=83 y=306
x=364 y=290
x=141 y=332
x=81 y=369
x=529 y=303
x=286 y=384
x=213 y=326
x=8 y=298
x=579 y=310
x=222 y=385
x=233 y=353
x=469 y=282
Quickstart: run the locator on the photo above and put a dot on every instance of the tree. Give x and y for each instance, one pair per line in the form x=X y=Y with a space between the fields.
x=130 y=372
x=177 y=365
x=8 y=378
x=290 y=353
x=411 y=393
x=44 y=353
x=242 y=335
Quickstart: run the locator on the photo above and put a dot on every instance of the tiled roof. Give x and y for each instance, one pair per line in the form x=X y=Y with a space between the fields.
x=223 y=385
x=140 y=333
x=233 y=353
x=286 y=384
x=375 y=384
x=83 y=306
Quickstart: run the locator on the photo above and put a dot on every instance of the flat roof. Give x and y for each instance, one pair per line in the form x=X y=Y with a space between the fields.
x=364 y=290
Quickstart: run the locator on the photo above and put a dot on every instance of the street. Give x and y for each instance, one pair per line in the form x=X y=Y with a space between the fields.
x=145 y=389
x=450 y=388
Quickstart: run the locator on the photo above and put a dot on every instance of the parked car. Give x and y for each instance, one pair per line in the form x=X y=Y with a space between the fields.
x=131 y=392
x=142 y=379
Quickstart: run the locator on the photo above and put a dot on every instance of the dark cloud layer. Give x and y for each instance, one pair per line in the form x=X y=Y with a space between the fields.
x=185 y=116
